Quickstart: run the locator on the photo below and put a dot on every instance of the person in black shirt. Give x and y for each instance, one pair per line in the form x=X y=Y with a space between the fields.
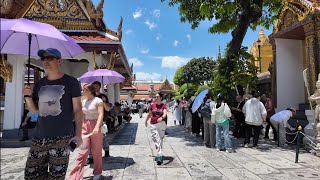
x=239 y=116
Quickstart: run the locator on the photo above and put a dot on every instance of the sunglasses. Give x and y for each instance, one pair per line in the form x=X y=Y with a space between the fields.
x=48 y=58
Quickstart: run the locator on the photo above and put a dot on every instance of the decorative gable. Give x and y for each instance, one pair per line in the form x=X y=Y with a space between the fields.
x=63 y=14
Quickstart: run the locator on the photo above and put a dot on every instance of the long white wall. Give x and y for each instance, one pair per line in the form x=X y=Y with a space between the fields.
x=14 y=99
x=290 y=84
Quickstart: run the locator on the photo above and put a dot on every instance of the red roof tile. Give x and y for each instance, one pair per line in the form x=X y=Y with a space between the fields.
x=136 y=97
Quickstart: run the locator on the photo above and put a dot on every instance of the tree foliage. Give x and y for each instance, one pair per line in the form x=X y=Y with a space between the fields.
x=244 y=74
x=229 y=15
x=200 y=70
x=179 y=78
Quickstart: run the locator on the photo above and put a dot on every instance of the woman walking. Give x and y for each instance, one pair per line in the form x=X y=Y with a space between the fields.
x=157 y=114
x=92 y=108
x=221 y=114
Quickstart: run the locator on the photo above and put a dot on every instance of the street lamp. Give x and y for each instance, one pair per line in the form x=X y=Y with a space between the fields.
x=259 y=46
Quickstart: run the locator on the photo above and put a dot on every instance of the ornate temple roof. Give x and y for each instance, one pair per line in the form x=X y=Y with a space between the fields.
x=76 y=15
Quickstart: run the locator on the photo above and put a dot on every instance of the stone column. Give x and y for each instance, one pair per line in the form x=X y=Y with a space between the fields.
x=13 y=98
x=111 y=94
x=117 y=92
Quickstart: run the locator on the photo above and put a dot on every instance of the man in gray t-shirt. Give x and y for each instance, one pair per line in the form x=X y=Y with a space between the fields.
x=57 y=99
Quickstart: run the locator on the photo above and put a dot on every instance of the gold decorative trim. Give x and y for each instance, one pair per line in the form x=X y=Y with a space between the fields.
x=299 y=8
x=5 y=69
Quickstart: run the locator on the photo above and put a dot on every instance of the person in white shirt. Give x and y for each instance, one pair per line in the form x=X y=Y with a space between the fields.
x=255 y=113
x=279 y=121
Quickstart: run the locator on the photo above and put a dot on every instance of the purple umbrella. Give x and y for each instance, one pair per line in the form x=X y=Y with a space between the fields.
x=26 y=37
x=104 y=76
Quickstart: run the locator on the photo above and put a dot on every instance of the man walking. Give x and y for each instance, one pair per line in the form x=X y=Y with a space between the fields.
x=255 y=113
x=57 y=99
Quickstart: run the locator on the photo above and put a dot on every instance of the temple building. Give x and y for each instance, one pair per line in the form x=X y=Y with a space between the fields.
x=80 y=20
x=146 y=90
x=261 y=50
x=295 y=45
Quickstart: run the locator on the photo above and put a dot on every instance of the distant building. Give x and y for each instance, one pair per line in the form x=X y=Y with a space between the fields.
x=145 y=90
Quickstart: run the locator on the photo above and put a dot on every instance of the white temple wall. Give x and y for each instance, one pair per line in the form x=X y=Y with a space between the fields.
x=289 y=64
x=111 y=93
x=13 y=109
x=117 y=92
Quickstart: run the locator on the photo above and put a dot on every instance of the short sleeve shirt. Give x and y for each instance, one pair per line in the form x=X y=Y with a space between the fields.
x=55 y=105
x=90 y=108
x=33 y=116
x=157 y=112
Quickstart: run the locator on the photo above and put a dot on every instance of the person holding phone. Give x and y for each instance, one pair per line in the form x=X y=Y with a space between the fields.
x=57 y=99
x=92 y=108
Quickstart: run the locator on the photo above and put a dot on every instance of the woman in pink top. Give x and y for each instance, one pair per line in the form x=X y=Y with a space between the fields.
x=157 y=114
x=92 y=108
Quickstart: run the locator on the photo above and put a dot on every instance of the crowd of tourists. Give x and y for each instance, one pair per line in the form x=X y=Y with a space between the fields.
x=69 y=116
x=250 y=114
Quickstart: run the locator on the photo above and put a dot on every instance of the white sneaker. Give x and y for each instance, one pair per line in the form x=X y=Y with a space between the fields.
x=96 y=177
x=246 y=146
x=230 y=150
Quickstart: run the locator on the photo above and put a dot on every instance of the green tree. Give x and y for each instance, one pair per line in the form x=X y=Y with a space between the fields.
x=229 y=15
x=244 y=73
x=179 y=78
x=200 y=70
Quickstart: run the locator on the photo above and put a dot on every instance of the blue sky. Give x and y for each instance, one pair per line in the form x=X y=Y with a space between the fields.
x=155 y=40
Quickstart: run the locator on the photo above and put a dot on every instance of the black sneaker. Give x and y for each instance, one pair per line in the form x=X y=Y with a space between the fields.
x=106 y=154
x=89 y=161
x=159 y=160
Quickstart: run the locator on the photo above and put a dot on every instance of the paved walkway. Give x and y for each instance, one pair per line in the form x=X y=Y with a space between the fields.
x=132 y=154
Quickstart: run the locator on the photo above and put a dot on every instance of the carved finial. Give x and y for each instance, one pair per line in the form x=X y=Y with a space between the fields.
x=120 y=29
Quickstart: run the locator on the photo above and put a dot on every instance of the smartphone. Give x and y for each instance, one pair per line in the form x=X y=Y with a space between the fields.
x=72 y=146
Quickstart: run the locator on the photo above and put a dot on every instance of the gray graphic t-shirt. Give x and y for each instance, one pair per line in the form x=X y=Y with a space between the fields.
x=55 y=106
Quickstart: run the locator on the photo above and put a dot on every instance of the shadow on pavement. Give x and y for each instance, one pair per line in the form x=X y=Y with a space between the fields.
x=117 y=162
x=102 y=177
x=127 y=136
x=167 y=160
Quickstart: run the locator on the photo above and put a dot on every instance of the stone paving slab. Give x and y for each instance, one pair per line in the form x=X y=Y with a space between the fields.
x=132 y=157
x=173 y=173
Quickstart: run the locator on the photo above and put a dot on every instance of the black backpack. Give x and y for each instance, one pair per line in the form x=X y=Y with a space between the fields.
x=206 y=110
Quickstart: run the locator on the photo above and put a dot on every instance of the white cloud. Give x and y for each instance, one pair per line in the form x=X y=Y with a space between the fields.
x=137 y=13
x=129 y=31
x=151 y=25
x=173 y=62
x=136 y=62
x=156 y=13
x=144 y=51
x=175 y=43
x=189 y=38
x=148 y=76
